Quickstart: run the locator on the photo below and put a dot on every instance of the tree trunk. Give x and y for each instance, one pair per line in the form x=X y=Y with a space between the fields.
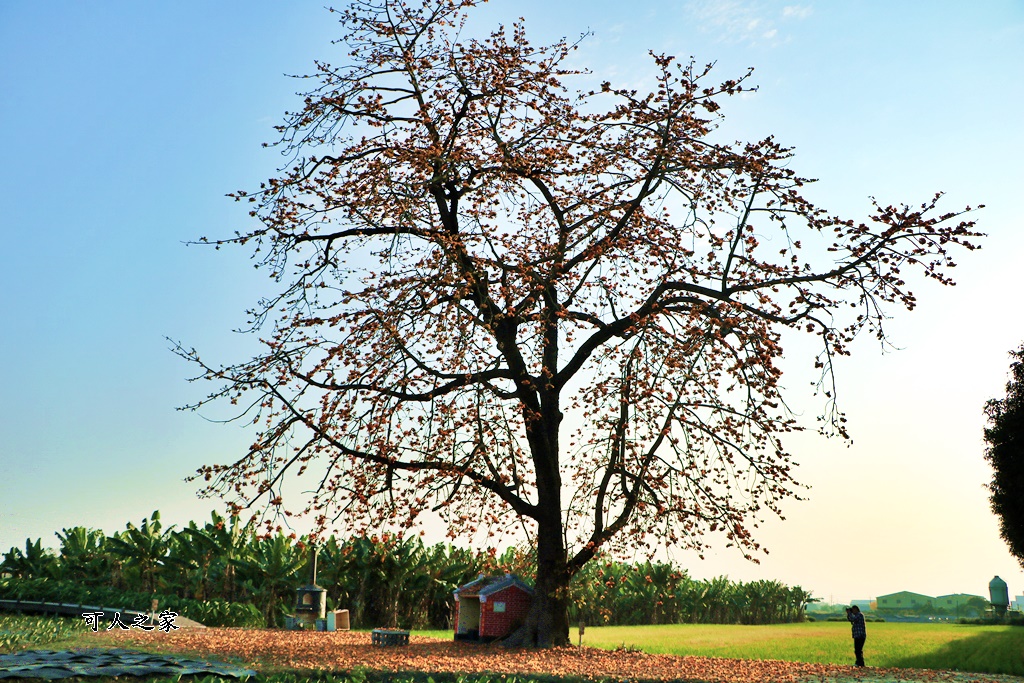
x=547 y=623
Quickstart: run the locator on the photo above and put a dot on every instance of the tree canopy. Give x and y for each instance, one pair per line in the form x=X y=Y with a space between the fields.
x=512 y=302
x=1005 y=453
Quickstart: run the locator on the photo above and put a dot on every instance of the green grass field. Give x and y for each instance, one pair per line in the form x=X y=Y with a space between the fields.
x=981 y=649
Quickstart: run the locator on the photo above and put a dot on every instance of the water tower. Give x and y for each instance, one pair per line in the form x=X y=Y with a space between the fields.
x=999 y=596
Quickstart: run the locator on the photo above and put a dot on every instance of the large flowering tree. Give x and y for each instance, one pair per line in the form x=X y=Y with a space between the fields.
x=502 y=299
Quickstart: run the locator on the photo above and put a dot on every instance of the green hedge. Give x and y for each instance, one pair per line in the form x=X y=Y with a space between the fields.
x=207 y=612
x=1010 y=619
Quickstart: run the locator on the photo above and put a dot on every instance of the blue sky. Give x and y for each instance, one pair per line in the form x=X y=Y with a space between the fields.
x=124 y=124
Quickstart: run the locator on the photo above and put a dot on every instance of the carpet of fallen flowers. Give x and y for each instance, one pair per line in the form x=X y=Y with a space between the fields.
x=340 y=651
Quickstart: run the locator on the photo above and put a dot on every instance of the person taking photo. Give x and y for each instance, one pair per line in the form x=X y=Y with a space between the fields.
x=860 y=634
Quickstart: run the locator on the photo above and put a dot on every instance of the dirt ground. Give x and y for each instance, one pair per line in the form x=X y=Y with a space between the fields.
x=269 y=648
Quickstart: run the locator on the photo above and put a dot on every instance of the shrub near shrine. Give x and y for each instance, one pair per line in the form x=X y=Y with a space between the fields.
x=490 y=293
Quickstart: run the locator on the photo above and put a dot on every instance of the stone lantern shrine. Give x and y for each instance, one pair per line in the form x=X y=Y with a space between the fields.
x=311 y=607
x=310 y=602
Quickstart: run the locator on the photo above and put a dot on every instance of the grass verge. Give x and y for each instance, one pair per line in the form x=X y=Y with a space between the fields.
x=22 y=632
x=960 y=647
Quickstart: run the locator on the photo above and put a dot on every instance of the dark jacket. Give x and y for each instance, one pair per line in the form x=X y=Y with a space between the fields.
x=857 y=619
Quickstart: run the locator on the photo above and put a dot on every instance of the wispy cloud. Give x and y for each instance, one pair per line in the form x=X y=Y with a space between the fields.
x=797 y=11
x=745 y=21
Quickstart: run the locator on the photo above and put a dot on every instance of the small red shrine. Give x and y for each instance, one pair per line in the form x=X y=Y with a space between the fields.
x=491 y=607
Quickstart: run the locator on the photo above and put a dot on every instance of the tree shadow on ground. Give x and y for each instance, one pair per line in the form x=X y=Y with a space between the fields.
x=999 y=652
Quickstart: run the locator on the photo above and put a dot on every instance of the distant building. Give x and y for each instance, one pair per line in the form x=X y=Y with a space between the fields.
x=905 y=600
x=960 y=604
x=954 y=604
x=1018 y=604
x=864 y=605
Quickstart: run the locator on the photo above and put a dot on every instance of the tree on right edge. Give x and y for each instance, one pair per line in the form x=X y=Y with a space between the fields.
x=1005 y=452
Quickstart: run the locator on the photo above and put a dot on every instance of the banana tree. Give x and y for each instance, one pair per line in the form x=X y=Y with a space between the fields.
x=191 y=556
x=271 y=575
x=448 y=567
x=84 y=556
x=234 y=540
x=142 y=550
x=35 y=562
x=799 y=600
x=210 y=555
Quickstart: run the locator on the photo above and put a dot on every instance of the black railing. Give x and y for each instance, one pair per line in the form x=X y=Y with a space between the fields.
x=69 y=609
